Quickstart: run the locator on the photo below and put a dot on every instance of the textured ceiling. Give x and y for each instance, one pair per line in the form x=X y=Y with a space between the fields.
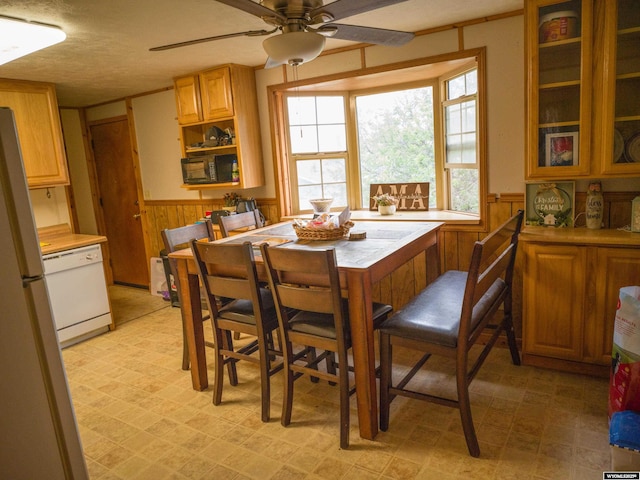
x=106 y=55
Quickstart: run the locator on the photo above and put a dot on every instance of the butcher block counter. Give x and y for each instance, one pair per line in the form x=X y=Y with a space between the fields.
x=58 y=238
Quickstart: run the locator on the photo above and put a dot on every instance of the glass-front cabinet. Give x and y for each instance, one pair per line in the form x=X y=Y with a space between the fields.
x=618 y=106
x=583 y=79
x=559 y=95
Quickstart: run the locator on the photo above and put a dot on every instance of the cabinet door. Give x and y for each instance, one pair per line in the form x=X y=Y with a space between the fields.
x=38 y=123
x=553 y=299
x=618 y=110
x=616 y=267
x=217 y=99
x=188 y=100
x=559 y=44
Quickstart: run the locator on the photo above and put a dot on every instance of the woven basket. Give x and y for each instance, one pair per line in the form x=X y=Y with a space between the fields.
x=323 y=234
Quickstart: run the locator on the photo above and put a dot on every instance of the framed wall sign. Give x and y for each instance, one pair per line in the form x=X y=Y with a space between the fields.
x=561 y=149
x=410 y=196
x=550 y=204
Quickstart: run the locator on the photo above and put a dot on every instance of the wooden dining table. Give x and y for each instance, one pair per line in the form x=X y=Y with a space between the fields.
x=361 y=263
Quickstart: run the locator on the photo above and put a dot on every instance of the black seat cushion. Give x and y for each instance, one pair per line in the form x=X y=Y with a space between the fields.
x=434 y=314
x=321 y=324
x=242 y=310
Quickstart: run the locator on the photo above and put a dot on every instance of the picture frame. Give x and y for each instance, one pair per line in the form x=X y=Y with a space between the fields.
x=550 y=204
x=562 y=149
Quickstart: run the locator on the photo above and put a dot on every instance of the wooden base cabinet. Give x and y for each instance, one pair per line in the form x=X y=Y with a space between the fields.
x=570 y=298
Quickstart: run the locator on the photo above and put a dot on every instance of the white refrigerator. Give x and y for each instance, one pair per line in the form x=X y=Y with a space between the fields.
x=38 y=428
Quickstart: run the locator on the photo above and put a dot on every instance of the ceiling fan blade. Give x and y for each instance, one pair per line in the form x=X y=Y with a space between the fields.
x=271 y=63
x=347 y=8
x=377 y=36
x=250 y=33
x=253 y=8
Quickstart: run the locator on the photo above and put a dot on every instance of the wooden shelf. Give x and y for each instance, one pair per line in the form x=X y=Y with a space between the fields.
x=209 y=186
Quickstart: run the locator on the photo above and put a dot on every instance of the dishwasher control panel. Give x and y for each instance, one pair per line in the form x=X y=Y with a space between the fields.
x=77 y=257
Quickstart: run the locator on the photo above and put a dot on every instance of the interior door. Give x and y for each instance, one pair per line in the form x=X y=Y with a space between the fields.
x=119 y=201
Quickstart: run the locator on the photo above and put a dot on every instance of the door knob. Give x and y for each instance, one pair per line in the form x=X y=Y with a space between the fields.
x=136 y=215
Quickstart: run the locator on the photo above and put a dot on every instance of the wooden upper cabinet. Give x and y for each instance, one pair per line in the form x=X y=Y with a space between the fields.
x=188 y=99
x=35 y=108
x=617 y=75
x=217 y=97
x=559 y=75
x=583 y=75
x=222 y=99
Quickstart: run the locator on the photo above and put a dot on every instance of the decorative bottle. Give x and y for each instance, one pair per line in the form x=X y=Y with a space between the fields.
x=594 y=206
x=235 y=172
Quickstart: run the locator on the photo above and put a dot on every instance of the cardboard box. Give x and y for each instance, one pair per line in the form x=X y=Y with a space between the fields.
x=624 y=459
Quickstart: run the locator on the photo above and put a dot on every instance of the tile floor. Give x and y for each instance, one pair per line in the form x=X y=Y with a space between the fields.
x=140 y=419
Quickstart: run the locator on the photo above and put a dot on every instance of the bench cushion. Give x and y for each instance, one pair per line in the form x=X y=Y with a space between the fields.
x=433 y=315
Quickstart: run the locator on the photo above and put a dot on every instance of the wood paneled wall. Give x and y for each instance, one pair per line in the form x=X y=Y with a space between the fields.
x=455 y=243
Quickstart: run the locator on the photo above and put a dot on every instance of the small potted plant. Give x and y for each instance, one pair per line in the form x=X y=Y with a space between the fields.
x=386 y=203
x=230 y=201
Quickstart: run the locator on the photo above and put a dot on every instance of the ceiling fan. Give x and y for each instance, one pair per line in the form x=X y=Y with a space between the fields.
x=304 y=25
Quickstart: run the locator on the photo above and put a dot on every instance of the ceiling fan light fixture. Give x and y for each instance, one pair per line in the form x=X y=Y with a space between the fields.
x=294 y=48
x=20 y=38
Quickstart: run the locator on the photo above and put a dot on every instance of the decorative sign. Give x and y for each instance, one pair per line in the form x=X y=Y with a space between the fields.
x=550 y=204
x=410 y=196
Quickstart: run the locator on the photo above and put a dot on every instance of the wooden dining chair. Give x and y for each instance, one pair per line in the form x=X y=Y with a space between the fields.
x=229 y=270
x=313 y=315
x=176 y=239
x=447 y=319
x=245 y=220
x=239 y=221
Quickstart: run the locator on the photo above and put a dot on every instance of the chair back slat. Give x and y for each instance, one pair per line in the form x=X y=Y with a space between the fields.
x=246 y=220
x=230 y=287
x=311 y=299
x=496 y=270
x=305 y=280
x=178 y=238
x=227 y=270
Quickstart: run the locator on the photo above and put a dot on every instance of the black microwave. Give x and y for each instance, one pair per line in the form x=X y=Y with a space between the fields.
x=208 y=169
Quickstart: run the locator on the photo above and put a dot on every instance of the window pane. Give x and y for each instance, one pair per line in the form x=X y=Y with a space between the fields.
x=334 y=170
x=472 y=82
x=332 y=138
x=308 y=172
x=469 y=116
x=395 y=137
x=330 y=110
x=304 y=139
x=302 y=110
x=456 y=88
x=337 y=191
x=308 y=193
x=464 y=190
x=454 y=148
x=469 y=148
x=454 y=124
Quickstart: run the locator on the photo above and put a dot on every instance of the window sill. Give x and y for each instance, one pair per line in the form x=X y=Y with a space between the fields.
x=449 y=217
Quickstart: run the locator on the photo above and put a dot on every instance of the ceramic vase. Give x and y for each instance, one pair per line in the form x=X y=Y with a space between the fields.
x=594 y=206
x=386 y=209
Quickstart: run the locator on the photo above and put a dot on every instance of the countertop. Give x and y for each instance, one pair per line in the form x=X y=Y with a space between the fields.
x=58 y=238
x=581 y=236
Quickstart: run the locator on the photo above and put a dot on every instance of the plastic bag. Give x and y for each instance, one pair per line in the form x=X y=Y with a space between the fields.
x=624 y=386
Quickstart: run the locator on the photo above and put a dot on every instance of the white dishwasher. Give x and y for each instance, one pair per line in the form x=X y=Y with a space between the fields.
x=78 y=293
